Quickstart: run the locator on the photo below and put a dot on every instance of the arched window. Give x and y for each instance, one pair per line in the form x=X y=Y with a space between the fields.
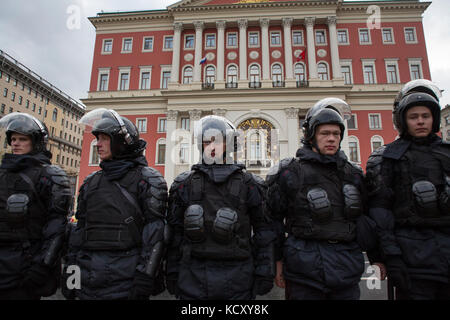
x=210 y=74
x=277 y=73
x=254 y=73
x=94 y=159
x=353 y=146
x=376 y=142
x=300 y=74
x=232 y=74
x=187 y=75
x=322 y=71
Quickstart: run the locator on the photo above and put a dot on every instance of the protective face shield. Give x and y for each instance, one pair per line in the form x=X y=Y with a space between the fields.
x=418 y=85
x=123 y=133
x=217 y=130
x=25 y=124
x=416 y=99
x=326 y=111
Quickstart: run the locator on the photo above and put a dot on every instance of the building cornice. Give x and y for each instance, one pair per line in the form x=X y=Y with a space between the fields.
x=384 y=5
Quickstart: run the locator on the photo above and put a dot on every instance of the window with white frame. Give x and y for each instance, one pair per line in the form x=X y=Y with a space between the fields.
x=189 y=41
x=353 y=146
x=253 y=39
x=388 y=35
x=255 y=146
x=141 y=124
x=161 y=151
x=299 y=71
x=107 y=46
x=127 y=45
x=346 y=70
x=94 y=159
x=103 y=79
x=364 y=36
x=165 y=78
x=124 y=78
x=232 y=74
x=147 y=44
x=277 y=73
x=168 y=43
x=185 y=124
x=275 y=38
x=162 y=124
x=369 y=71
x=374 y=121
x=342 y=35
x=254 y=73
x=232 y=39
x=392 y=73
x=184 y=152
x=210 y=74
x=352 y=123
x=410 y=35
x=297 y=37
x=415 y=68
x=210 y=40
x=187 y=75
x=322 y=70
x=321 y=38
x=145 y=78
x=376 y=142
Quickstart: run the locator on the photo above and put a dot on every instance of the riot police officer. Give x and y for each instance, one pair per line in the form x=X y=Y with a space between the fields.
x=118 y=240
x=316 y=198
x=214 y=210
x=34 y=203
x=409 y=184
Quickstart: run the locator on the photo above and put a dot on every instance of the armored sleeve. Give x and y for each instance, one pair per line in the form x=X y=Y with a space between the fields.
x=178 y=202
x=379 y=179
x=153 y=201
x=277 y=201
x=263 y=239
x=55 y=188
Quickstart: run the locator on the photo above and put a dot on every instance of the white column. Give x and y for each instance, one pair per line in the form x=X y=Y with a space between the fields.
x=220 y=49
x=198 y=50
x=292 y=130
x=334 y=48
x=288 y=66
x=309 y=22
x=194 y=116
x=264 y=23
x=174 y=74
x=171 y=125
x=242 y=49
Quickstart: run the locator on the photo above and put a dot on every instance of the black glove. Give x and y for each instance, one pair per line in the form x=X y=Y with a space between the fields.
x=37 y=276
x=397 y=272
x=172 y=283
x=262 y=285
x=143 y=286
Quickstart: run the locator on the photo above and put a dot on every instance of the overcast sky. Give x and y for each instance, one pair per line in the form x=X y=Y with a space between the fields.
x=54 y=38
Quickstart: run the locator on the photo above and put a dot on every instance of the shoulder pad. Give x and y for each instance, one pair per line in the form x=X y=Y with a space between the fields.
x=153 y=177
x=182 y=177
x=356 y=168
x=253 y=178
x=57 y=175
x=376 y=158
x=275 y=170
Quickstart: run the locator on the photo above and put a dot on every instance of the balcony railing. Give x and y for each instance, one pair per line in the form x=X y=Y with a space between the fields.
x=231 y=85
x=278 y=84
x=208 y=85
x=254 y=84
x=302 y=84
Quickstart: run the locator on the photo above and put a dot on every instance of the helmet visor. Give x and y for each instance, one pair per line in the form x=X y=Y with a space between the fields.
x=424 y=83
x=90 y=119
x=19 y=122
x=337 y=104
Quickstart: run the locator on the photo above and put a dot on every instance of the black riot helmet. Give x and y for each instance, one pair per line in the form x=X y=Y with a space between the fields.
x=218 y=129
x=123 y=133
x=325 y=111
x=28 y=125
x=414 y=99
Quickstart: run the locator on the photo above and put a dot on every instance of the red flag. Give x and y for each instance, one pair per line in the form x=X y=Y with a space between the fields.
x=301 y=56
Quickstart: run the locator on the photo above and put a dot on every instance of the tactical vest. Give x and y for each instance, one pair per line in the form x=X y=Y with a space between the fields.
x=308 y=216
x=112 y=221
x=213 y=198
x=22 y=217
x=418 y=206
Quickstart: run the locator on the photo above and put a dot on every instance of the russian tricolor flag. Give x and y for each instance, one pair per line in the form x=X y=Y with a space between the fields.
x=203 y=60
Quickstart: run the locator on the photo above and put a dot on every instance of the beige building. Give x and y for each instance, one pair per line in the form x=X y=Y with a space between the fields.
x=22 y=90
x=445 y=123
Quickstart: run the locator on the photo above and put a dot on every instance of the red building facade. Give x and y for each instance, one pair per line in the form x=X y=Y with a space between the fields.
x=164 y=69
